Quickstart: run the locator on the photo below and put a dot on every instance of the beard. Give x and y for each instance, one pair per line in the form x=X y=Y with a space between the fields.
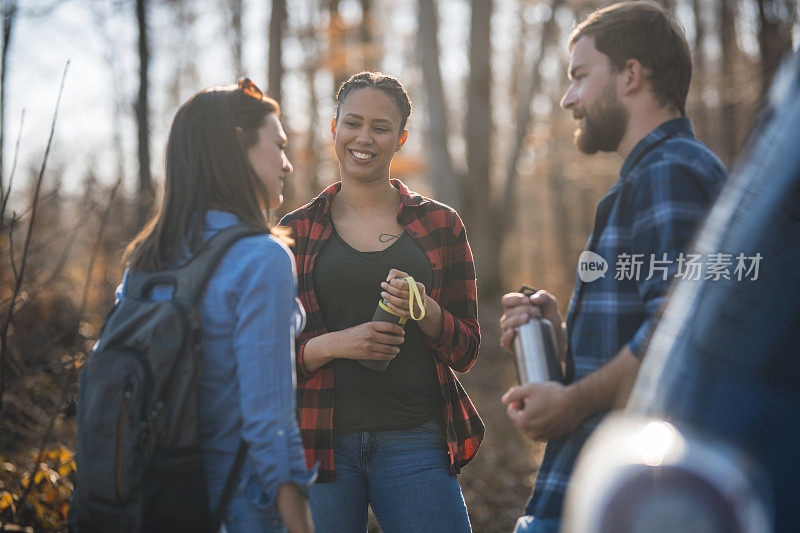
x=604 y=125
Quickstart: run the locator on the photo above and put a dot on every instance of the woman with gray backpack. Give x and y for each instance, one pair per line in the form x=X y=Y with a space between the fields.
x=186 y=412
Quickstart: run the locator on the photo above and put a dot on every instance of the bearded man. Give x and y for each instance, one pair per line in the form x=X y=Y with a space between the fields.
x=630 y=69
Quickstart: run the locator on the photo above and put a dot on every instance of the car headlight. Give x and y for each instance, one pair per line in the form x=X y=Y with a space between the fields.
x=639 y=475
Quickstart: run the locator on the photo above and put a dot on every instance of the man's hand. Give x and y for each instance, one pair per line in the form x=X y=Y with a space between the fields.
x=517 y=310
x=544 y=411
x=550 y=410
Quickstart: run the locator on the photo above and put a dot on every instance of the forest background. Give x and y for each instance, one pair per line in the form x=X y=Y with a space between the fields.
x=487 y=136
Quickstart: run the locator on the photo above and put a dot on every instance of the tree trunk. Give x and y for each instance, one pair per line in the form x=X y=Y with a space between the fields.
x=9 y=13
x=774 y=36
x=369 y=48
x=562 y=221
x=312 y=151
x=336 y=45
x=237 y=37
x=112 y=62
x=145 y=193
x=476 y=196
x=184 y=73
x=277 y=21
x=504 y=211
x=312 y=147
x=365 y=28
x=440 y=165
x=699 y=76
x=729 y=48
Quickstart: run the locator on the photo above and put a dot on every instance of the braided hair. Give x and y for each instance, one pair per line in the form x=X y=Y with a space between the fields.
x=382 y=82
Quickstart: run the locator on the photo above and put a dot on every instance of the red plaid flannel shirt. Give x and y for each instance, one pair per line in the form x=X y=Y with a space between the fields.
x=439 y=232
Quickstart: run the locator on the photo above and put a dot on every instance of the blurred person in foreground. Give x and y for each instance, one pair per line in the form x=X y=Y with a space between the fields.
x=226 y=164
x=630 y=69
x=392 y=439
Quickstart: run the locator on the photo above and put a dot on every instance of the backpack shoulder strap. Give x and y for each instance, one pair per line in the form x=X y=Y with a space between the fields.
x=230 y=484
x=192 y=277
x=189 y=280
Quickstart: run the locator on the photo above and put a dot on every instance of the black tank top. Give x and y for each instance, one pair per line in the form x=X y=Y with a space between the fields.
x=347 y=286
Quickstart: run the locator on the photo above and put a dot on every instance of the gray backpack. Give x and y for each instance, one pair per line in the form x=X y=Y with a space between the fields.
x=138 y=456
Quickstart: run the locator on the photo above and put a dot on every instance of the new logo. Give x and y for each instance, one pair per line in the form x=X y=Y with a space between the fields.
x=591 y=266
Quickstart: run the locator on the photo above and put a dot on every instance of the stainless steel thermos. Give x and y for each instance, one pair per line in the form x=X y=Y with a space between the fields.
x=535 y=351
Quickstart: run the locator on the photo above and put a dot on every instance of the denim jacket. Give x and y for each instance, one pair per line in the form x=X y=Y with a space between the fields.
x=250 y=316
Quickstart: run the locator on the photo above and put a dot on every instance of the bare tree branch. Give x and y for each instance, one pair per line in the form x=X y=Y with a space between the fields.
x=774 y=37
x=11 y=175
x=59 y=266
x=146 y=193
x=121 y=98
x=727 y=11
x=28 y=236
x=11 y=259
x=277 y=22
x=69 y=375
x=17 y=217
x=505 y=209
x=9 y=15
x=62 y=258
x=237 y=36
x=96 y=247
x=439 y=161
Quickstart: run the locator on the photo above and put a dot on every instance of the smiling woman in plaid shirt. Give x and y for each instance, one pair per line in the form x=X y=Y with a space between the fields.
x=396 y=438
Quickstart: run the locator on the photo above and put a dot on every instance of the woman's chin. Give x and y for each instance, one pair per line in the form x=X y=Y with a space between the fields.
x=364 y=175
x=267 y=205
x=275 y=204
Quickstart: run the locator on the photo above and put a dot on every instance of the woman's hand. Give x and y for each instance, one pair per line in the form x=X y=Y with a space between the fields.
x=294 y=510
x=372 y=340
x=396 y=293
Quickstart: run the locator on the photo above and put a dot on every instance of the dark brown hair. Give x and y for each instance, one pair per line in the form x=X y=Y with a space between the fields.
x=206 y=167
x=382 y=82
x=643 y=31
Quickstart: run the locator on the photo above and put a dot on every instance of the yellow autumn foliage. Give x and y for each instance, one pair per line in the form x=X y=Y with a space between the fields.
x=49 y=489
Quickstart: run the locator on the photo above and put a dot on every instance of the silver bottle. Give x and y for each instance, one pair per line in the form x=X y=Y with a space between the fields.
x=535 y=351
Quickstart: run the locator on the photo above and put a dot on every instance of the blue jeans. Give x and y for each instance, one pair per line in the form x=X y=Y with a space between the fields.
x=405 y=477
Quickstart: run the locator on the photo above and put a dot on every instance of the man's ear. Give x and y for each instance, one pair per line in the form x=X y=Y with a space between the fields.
x=333 y=127
x=633 y=76
x=401 y=141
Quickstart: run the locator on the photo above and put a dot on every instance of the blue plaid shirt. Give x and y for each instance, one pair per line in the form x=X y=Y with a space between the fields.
x=642 y=225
